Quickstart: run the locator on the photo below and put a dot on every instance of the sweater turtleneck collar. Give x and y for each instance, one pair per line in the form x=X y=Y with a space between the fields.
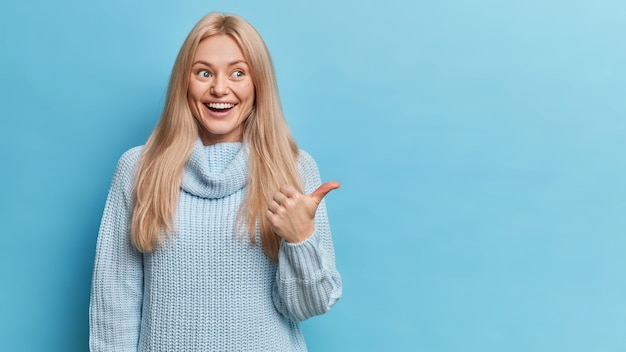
x=215 y=171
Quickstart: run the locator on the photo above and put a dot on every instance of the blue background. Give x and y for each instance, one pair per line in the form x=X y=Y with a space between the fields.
x=480 y=145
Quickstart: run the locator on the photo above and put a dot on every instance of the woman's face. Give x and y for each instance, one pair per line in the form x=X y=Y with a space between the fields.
x=221 y=92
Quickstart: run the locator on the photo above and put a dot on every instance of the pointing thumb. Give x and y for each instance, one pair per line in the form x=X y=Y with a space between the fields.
x=323 y=190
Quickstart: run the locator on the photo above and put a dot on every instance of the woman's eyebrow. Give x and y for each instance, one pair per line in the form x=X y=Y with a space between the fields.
x=232 y=63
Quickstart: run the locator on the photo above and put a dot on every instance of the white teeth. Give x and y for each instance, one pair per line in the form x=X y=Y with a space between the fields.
x=220 y=105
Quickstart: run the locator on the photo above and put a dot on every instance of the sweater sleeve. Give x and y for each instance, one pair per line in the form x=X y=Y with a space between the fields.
x=117 y=284
x=307 y=280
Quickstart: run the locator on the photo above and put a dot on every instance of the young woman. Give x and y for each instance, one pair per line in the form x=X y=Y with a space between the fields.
x=214 y=235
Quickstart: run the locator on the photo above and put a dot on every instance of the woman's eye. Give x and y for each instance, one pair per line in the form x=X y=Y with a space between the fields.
x=204 y=73
x=238 y=74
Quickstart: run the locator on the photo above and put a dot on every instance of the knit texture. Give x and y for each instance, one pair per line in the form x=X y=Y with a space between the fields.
x=207 y=288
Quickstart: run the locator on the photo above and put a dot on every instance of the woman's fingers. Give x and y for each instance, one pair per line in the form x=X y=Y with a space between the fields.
x=323 y=190
x=292 y=213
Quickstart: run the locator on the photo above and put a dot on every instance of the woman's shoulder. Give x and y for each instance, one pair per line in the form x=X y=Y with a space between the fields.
x=305 y=160
x=130 y=158
x=127 y=163
x=309 y=172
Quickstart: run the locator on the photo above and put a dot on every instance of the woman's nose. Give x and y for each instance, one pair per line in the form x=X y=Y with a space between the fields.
x=220 y=86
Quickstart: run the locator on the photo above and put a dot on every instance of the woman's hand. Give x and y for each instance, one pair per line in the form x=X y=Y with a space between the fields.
x=292 y=213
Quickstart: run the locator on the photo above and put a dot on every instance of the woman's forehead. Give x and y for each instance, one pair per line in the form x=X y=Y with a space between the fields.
x=219 y=48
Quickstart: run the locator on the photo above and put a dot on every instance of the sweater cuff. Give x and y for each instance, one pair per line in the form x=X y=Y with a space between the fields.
x=300 y=261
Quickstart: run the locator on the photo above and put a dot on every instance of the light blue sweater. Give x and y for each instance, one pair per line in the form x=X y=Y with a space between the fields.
x=207 y=288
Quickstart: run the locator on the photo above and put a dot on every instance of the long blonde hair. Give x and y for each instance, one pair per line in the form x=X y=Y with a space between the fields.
x=273 y=151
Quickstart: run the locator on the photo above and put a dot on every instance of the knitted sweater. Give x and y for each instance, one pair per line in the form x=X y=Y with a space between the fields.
x=207 y=288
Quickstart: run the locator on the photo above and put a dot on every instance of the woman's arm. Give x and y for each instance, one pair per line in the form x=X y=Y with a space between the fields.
x=117 y=285
x=307 y=281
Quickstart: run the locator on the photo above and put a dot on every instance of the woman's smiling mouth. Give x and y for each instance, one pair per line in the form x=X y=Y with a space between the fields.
x=220 y=106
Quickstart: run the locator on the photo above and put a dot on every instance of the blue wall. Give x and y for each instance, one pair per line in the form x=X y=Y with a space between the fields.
x=480 y=146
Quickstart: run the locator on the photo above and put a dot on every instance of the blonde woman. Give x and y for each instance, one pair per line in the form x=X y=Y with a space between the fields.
x=214 y=235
